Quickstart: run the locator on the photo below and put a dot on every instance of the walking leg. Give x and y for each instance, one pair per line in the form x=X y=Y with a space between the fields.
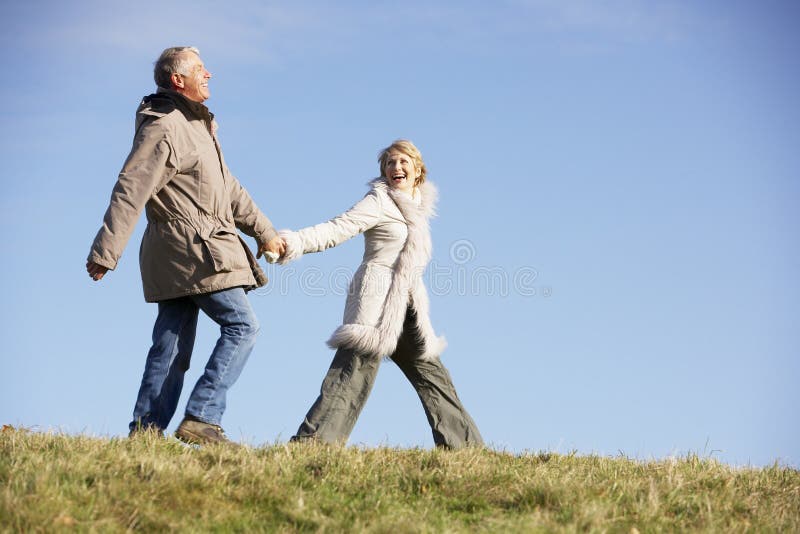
x=239 y=327
x=342 y=396
x=167 y=361
x=451 y=425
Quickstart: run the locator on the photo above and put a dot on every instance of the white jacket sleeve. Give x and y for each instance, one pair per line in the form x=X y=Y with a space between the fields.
x=360 y=218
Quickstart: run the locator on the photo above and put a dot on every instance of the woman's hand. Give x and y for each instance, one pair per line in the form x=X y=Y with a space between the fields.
x=293 y=246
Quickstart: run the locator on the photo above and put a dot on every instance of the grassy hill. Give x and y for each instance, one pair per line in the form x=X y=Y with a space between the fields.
x=56 y=482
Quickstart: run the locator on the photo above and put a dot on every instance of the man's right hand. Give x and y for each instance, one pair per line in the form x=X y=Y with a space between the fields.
x=96 y=271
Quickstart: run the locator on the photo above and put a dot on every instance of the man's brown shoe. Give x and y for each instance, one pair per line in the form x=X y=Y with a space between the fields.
x=199 y=433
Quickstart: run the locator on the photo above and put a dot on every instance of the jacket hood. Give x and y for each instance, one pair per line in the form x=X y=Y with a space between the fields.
x=164 y=101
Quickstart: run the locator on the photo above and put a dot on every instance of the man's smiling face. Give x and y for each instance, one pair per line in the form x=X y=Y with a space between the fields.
x=194 y=83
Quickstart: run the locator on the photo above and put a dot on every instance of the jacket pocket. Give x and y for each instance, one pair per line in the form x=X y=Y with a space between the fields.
x=223 y=248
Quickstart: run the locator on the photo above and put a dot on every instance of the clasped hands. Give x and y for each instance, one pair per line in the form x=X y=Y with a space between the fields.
x=276 y=245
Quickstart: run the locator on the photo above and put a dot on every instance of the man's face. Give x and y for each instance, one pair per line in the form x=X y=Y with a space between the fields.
x=194 y=84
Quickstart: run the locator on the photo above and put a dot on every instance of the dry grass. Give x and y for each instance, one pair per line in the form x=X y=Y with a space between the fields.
x=53 y=482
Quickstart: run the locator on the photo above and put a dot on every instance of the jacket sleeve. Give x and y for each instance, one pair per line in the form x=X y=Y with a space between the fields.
x=150 y=165
x=360 y=218
x=248 y=218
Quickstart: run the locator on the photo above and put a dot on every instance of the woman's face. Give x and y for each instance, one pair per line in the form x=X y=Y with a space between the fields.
x=400 y=171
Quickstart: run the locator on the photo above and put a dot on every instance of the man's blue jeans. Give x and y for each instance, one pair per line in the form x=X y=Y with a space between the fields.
x=168 y=359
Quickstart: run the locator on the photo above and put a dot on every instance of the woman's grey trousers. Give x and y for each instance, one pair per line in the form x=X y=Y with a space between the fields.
x=349 y=380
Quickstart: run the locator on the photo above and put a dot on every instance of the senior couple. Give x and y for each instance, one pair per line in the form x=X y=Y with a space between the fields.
x=192 y=258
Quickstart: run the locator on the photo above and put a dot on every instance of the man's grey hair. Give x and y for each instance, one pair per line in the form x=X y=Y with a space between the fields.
x=172 y=61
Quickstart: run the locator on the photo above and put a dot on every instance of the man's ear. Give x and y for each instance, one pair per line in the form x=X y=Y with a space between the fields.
x=177 y=80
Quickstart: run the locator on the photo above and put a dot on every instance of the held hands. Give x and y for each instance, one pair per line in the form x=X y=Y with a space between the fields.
x=273 y=249
x=287 y=246
x=294 y=246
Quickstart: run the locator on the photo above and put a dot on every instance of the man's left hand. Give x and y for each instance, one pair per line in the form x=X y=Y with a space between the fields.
x=276 y=245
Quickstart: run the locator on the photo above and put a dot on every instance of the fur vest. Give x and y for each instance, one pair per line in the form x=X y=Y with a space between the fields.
x=397 y=249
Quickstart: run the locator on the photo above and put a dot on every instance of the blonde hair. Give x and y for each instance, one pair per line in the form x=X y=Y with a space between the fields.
x=406 y=147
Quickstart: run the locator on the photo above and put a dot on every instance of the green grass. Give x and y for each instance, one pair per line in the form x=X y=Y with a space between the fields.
x=56 y=482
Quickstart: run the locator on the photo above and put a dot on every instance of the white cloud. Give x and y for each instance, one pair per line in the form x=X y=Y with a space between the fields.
x=268 y=32
x=251 y=30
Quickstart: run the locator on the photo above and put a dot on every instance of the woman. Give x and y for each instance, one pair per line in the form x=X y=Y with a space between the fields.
x=386 y=313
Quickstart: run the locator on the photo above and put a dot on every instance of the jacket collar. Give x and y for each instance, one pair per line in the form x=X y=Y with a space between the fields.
x=190 y=108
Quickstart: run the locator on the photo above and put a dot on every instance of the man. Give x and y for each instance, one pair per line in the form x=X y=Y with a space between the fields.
x=191 y=257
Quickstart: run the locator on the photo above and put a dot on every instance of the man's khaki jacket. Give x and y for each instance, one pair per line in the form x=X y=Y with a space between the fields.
x=194 y=205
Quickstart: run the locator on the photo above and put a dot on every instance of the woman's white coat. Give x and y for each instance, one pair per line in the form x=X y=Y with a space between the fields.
x=397 y=249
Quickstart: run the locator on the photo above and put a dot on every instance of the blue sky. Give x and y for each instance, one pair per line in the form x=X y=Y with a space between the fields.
x=616 y=254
